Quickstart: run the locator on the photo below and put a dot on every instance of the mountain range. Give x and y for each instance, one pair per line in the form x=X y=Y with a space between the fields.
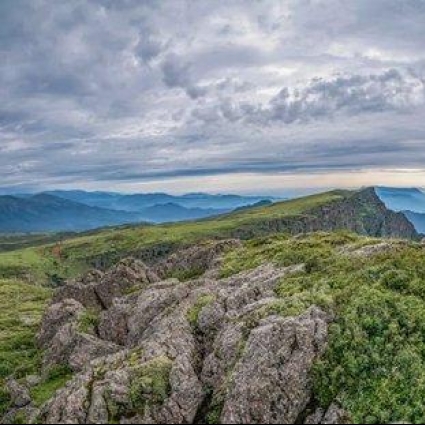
x=76 y=210
x=65 y=211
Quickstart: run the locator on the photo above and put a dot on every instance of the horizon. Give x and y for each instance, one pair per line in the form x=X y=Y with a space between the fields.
x=281 y=197
x=278 y=97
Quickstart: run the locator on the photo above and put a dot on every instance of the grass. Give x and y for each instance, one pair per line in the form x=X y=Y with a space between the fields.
x=20 y=314
x=375 y=363
x=56 y=379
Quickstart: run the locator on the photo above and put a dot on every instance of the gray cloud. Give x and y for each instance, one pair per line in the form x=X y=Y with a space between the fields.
x=127 y=91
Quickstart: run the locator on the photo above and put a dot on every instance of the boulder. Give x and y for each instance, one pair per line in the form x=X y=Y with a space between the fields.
x=19 y=394
x=58 y=315
x=271 y=383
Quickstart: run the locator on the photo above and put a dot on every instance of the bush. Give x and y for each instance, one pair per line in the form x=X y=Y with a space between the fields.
x=397 y=280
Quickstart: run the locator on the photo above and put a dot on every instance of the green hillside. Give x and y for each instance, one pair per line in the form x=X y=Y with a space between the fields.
x=38 y=263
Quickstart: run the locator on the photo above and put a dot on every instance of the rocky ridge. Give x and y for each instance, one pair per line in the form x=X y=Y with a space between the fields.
x=145 y=348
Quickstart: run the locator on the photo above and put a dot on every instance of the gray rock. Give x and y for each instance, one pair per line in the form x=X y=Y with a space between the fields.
x=76 y=349
x=19 y=394
x=149 y=340
x=123 y=278
x=336 y=415
x=271 y=383
x=58 y=315
x=113 y=324
x=33 y=380
x=84 y=293
x=200 y=258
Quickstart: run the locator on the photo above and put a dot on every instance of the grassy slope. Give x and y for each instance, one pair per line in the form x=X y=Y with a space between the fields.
x=375 y=364
x=22 y=306
x=38 y=264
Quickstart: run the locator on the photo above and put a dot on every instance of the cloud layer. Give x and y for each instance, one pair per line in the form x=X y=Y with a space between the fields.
x=102 y=93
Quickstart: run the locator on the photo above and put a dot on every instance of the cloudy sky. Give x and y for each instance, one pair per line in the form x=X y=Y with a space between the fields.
x=190 y=95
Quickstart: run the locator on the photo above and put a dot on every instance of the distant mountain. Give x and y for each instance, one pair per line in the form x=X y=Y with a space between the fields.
x=418 y=220
x=173 y=212
x=47 y=213
x=138 y=202
x=399 y=199
x=259 y=204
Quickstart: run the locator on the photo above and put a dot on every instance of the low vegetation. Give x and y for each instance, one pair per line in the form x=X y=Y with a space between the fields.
x=375 y=363
x=150 y=384
x=20 y=314
x=193 y=313
x=56 y=379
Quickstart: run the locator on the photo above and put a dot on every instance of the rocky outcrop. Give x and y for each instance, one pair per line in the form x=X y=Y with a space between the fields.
x=204 y=350
x=98 y=293
x=271 y=383
x=195 y=259
x=360 y=212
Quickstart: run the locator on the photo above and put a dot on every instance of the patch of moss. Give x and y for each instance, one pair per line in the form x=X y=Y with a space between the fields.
x=150 y=384
x=216 y=408
x=193 y=313
x=183 y=275
x=88 y=321
x=20 y=418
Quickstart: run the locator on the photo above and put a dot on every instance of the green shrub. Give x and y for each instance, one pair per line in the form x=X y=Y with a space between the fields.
x=398 y=280
x=4 y=398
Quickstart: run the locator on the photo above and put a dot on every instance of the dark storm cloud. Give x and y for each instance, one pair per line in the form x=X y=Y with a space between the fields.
x=123 y=91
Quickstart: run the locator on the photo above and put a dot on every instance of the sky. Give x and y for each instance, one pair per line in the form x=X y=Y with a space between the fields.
x=248 y=96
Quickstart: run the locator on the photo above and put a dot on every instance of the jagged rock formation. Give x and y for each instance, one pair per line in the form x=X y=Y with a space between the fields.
x=165 y=351
x=360 y=212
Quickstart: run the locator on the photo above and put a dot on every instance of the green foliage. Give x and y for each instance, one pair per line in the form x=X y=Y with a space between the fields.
x=57 y=377
x=150 y=384
x=193 y=313
x=397 y=280
x=88 y=321
x=216 y=408
x=22 y=308
x=375 y=363
x=4 y=398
